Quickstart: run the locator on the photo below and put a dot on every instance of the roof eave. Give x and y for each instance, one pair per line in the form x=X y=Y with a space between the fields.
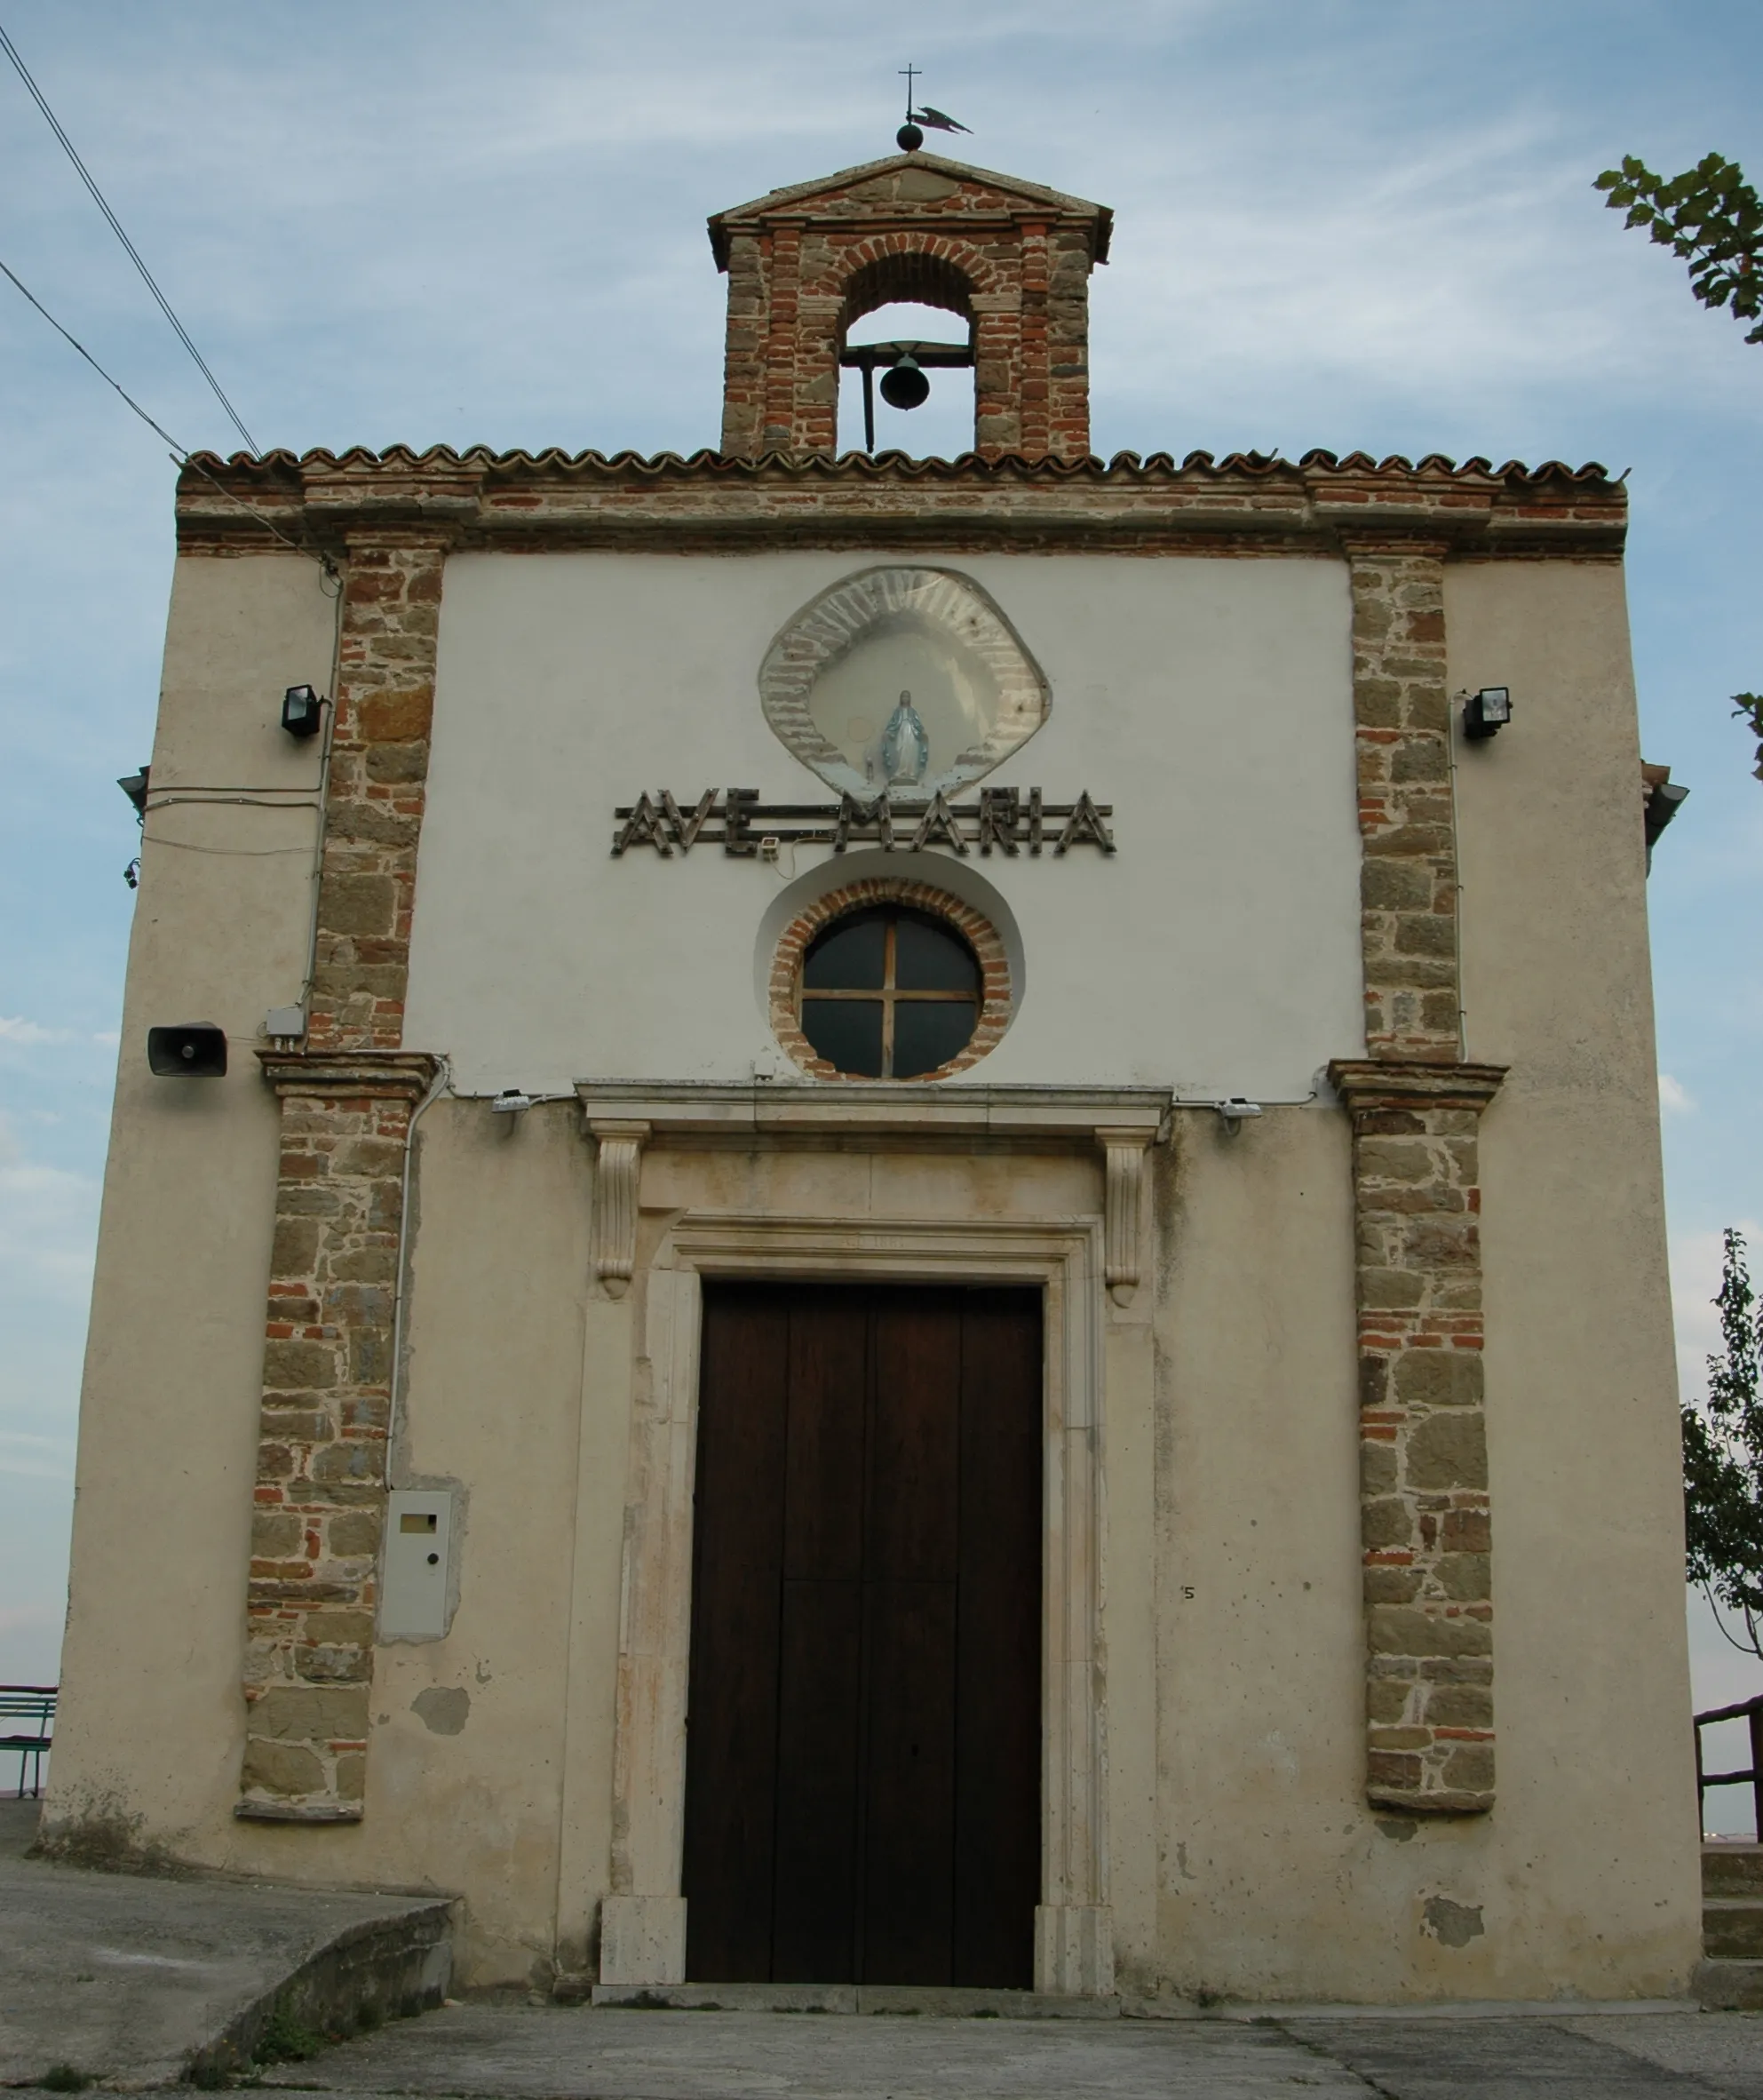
x=758 y=208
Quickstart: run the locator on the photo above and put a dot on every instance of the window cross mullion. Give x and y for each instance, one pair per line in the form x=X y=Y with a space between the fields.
x=890 y=945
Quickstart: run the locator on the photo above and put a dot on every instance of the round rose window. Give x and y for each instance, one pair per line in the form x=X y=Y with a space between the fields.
x=889 y=993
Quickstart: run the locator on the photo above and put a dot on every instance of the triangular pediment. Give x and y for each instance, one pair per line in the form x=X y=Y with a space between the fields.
x=903 y=180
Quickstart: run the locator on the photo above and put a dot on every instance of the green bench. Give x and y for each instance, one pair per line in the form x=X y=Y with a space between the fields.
x=32 y=1706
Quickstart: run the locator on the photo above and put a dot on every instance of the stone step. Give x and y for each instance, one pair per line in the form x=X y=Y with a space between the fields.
x=1732 y=1867
x=375 y=1969
x=932 y=2001
x=1729 y=1987
x=1732 y=1927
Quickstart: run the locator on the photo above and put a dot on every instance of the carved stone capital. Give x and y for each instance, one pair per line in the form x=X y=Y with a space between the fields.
x=1124 y=1149
x=617 y=1167
x=403 y=1075
x=1382 y=1084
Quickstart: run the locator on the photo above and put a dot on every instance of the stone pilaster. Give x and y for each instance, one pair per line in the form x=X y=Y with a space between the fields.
x=378 y=770
x=319 y=1497
x=1425 y=1516
x=1408 y=883
x=744 y=369
x=1424 y=1520
x=346 y=1103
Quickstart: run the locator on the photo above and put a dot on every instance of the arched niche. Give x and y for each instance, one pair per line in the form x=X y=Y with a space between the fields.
x=833 y=679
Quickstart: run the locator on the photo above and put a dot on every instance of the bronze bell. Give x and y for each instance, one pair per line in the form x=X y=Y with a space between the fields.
x=904 y=387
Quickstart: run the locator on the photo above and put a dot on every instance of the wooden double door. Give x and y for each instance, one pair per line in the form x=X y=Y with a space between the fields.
x=863 y=1795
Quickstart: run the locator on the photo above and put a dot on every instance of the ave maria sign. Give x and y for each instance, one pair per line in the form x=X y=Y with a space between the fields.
x=1003 y=820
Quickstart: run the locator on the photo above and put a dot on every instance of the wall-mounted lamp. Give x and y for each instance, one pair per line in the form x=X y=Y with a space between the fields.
x=511 y=1102
x=193 y=1050
x=1662 y=798
x=134 y=785
x=1233 y=1112
x=1486 y=712
x=302 y=711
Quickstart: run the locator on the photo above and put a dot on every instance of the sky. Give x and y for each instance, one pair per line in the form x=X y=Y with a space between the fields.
x=1338 y=222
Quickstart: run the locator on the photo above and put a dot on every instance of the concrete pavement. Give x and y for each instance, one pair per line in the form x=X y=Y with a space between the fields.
x=131 y=1979
x=478 y=2051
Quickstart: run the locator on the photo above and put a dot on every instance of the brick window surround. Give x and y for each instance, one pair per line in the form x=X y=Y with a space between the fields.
x=977 y=931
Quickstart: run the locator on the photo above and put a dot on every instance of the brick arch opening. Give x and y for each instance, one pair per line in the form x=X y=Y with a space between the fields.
x=1020 y=281
x=911 y=277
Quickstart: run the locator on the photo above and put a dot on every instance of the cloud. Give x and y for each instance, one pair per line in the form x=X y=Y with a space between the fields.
x=28 y=1033
x=26 y=1456
x=48 y=1228
x=1674 y=1098
x=25 y=1617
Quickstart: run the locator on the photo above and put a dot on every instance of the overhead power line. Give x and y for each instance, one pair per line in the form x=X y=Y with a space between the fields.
x=133 y=253
x=178 y=451
x=179 y=457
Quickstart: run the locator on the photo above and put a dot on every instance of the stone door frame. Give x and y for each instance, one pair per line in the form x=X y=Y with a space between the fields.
x=643 y=1922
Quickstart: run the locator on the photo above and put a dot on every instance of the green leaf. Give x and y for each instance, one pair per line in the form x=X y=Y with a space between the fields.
x=1723 y=1439
x=1710 y=217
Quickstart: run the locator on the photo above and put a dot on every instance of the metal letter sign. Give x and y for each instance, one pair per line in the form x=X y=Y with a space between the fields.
x=1004 y=820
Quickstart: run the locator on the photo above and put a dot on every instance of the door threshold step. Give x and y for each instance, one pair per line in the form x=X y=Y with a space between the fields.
x=904 y=2000
x=1728 y=1985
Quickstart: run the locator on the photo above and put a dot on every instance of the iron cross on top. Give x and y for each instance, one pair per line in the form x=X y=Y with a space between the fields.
x=909 y=74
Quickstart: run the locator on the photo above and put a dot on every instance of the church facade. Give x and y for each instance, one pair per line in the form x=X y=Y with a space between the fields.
x=925 y=1242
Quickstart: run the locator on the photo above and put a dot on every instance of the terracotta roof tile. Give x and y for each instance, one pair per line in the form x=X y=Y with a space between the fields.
x=1311 y=466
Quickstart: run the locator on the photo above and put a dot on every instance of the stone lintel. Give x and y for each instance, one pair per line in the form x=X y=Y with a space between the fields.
x=788 y=1114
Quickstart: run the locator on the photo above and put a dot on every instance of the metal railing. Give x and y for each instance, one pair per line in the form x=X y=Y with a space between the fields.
x=1751 y=1710
x=34 y=1704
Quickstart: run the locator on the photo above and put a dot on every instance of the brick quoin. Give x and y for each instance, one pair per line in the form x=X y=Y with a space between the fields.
x=1010 y=259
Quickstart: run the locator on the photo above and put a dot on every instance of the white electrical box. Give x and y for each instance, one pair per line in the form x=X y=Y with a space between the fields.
x=417 y=1564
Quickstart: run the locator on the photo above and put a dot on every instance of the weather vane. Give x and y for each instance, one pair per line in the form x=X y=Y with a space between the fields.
x=910 y=137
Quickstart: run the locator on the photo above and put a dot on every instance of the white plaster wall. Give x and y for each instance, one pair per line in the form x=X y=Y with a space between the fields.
x=1208 y=700
x=1276 y=1881
x=1245 y=1860
x=152 y=1718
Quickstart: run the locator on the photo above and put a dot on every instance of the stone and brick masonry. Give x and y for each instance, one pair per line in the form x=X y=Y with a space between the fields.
x=1426 y=1523
x=1011 y=259
x=1424 y=1513
x=319 y=1497
x=346 y=1101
